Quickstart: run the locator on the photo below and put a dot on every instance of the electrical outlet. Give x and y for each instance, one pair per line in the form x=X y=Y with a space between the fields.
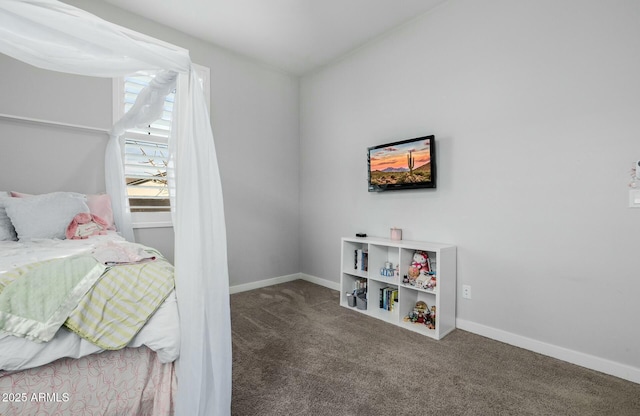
x=634 y=198
x=466 y=291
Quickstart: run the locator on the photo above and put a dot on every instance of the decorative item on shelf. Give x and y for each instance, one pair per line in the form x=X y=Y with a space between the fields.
x=421 y=281
x=421 y=262
x=396 y=234
x=351 y=300
x=431 y=283
x=387 y=270
x=419 y=268
x=361 y=259
x=361 y=301
x=421 y=306
x=432 y=324
x=361 y=234
x=420 y=314
x=413 y=274
x=360 y=285
x=405 y=279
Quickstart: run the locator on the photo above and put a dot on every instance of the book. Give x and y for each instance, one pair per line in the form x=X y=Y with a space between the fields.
x=360 y=285
x=388 y=297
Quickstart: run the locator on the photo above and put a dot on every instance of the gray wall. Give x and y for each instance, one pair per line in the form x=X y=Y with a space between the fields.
x=35 y=158
x=534 y=105
x=254 y=115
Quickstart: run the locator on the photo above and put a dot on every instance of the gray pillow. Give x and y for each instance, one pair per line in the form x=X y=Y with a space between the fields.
x=44 y=216
x=7 y=232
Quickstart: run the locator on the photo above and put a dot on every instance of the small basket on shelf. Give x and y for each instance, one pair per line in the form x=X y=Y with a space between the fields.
x=361 y=302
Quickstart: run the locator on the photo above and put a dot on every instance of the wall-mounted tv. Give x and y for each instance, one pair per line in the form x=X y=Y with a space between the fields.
x=406 y=164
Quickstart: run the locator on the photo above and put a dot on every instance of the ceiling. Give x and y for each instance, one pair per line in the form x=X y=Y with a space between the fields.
x=294 y=35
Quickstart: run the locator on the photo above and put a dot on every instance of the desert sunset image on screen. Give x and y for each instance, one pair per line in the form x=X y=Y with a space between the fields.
x=401 y=164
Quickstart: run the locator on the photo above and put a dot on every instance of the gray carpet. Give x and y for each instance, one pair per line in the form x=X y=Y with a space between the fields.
x=297 y=352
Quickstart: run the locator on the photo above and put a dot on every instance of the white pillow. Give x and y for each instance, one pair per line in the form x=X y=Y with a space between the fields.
x=7 y=232
x=44 y=216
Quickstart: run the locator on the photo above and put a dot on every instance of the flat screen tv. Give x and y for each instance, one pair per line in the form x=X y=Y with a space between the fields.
x=406 y=164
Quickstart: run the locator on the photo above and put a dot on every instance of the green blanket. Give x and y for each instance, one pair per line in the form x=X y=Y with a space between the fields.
x=105 y=305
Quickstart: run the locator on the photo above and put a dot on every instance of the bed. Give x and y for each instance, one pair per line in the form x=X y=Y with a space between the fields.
x=88 y=323
x=52 y=35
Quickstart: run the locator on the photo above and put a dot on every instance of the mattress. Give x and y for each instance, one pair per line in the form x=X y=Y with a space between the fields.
x=160 y=334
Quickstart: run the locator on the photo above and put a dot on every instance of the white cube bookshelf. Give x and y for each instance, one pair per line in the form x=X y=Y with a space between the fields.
x=400 y=253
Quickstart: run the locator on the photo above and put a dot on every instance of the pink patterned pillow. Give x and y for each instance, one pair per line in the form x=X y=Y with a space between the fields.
x=100 y=205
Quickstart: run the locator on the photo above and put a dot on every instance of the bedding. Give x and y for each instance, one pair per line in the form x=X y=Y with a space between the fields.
x=160 y=334
x=140 y=286
x=105 y=304
x=130 y=381
x=37 y=299
x=87 y=325
x=18 y=253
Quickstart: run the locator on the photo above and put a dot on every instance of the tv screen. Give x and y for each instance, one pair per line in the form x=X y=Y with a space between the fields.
x=406 y=164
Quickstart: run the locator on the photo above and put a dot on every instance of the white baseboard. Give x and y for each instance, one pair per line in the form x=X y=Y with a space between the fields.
x=320 y=281
x=263 y=283
x=575 y=357
x=284 y=279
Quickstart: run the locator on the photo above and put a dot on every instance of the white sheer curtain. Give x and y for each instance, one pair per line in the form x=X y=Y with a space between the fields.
x=56 y=36
x=116 y=188
x=148 y=108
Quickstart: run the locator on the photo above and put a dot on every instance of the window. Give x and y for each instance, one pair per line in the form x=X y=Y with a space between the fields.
x=146 y=175
x=145 y=153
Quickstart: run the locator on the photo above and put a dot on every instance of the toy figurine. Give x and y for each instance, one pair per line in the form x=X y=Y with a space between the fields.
x=421 y=281
x=421 y=307
x=411 y=317
x=420 y=313
x=431 y=283
x=414 y=273
x=432 y=325
x=420 y=259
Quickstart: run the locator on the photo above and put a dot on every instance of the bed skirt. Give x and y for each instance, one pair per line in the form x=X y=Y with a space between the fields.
x=130 y=381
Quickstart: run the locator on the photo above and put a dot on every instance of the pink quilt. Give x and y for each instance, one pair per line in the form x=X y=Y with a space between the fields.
x=130 y=381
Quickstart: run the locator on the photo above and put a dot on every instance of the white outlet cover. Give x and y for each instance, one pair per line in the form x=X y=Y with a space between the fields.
x=466 y=291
